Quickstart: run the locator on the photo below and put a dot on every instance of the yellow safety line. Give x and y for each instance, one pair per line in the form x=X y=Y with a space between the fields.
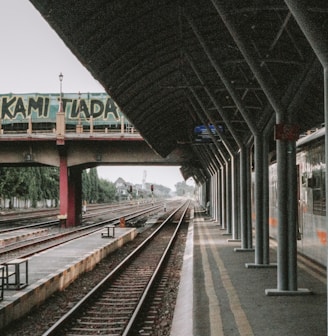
x=242 y=322
x=317 y=276
x=214 y=309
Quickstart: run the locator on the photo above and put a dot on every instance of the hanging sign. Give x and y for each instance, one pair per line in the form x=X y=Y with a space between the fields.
x=289 y=132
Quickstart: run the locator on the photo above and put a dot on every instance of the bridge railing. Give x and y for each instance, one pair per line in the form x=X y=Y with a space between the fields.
x=78 y=128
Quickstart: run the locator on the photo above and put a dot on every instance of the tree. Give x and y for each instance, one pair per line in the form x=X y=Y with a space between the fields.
x=106 y=192
x=37 y=184
x=183 y=189
x=31 y=183
x=86 y=190
x=93 y=174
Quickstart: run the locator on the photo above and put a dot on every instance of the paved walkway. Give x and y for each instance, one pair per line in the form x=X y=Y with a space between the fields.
x=229 y=299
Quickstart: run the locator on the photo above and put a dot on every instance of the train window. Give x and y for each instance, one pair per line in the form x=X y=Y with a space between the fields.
x=319 y=192
x=273 y=184
x=317 y=182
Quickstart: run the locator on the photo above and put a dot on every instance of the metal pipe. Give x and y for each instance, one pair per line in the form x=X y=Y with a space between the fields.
x=248 y=201
x=292 y=216
x=258 y=191
x=313 y=32
x=236 y=200
x=228 y=197
x=243 y=197
x=282 y=274
x=265 y=203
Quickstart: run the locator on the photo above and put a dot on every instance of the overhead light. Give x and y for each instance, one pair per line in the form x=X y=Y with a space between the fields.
x=28 y=157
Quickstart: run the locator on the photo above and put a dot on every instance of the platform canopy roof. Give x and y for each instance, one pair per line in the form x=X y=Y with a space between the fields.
x=173 y=65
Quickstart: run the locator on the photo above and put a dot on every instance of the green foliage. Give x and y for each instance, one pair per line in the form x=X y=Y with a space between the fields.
x=42 y=183
x=182 y=189
x=106 y=191
x=95 y=190
x=31 y=183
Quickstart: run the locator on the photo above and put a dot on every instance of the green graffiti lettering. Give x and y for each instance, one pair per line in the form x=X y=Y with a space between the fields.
x=74 y=109
x=6 y=105
x=20 y=108
x=37 y=106
x=97 y=108
x=66 y=101
x=84 y=109
x=46 y=107
x=112 y=109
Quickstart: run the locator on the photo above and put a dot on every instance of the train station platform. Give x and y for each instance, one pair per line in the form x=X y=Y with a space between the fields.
x=54 y=269
x=219 y=296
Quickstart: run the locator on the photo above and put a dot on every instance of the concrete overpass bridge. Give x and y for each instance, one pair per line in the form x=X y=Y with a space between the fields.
x=72 y=133
x=82 y=150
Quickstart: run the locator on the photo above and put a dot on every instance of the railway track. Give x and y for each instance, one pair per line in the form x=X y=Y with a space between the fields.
x=20 y=220
x=115 y=304
x=26 y=248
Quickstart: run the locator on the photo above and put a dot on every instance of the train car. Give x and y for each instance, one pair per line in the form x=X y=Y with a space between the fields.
x=310 y=160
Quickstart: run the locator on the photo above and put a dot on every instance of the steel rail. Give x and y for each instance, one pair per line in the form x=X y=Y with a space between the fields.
x=130 y=325
x=54 y=329
x=90 y=229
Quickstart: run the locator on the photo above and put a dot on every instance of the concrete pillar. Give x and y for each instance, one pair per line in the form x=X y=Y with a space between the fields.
x=74 y=214
x=70 y=194
x=60 y=123
x=63 y=190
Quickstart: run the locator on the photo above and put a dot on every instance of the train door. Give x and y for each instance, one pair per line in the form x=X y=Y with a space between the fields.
x=302 y=191
x=299 y=218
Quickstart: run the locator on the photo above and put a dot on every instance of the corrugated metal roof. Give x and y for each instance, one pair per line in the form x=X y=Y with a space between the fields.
x=173 y=65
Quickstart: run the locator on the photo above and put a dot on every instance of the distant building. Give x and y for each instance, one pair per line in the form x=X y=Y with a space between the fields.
x=121 y=189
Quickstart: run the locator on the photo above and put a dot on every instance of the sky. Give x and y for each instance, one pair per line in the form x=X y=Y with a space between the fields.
x=31 y=59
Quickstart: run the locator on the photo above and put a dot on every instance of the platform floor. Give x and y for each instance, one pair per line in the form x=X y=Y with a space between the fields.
x=219 y=296
x=56 y=268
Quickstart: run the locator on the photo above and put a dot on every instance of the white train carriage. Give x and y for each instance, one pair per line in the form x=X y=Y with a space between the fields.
x=311 y=168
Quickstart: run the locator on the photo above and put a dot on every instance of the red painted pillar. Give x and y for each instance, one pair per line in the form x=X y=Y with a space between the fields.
x=74 y=214
x=63 y=190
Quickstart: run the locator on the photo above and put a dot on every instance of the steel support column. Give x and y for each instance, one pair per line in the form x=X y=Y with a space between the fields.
x=246 y=229
x=219 y=196
x=282 y=218
x=248 y=200
x=243 y=196
x=268 y=89
x=222 y=162
x=234 y=196
x=287 y=222
x=311 y=30
x=214 y=199
x=261 y=203
x=236 y=223
x=217 y=159
x=292 y=216
x=228 y=197
x=216 y=196
x=214 y=193
x=258 y=141
x=265 y=204
x=318 y=42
